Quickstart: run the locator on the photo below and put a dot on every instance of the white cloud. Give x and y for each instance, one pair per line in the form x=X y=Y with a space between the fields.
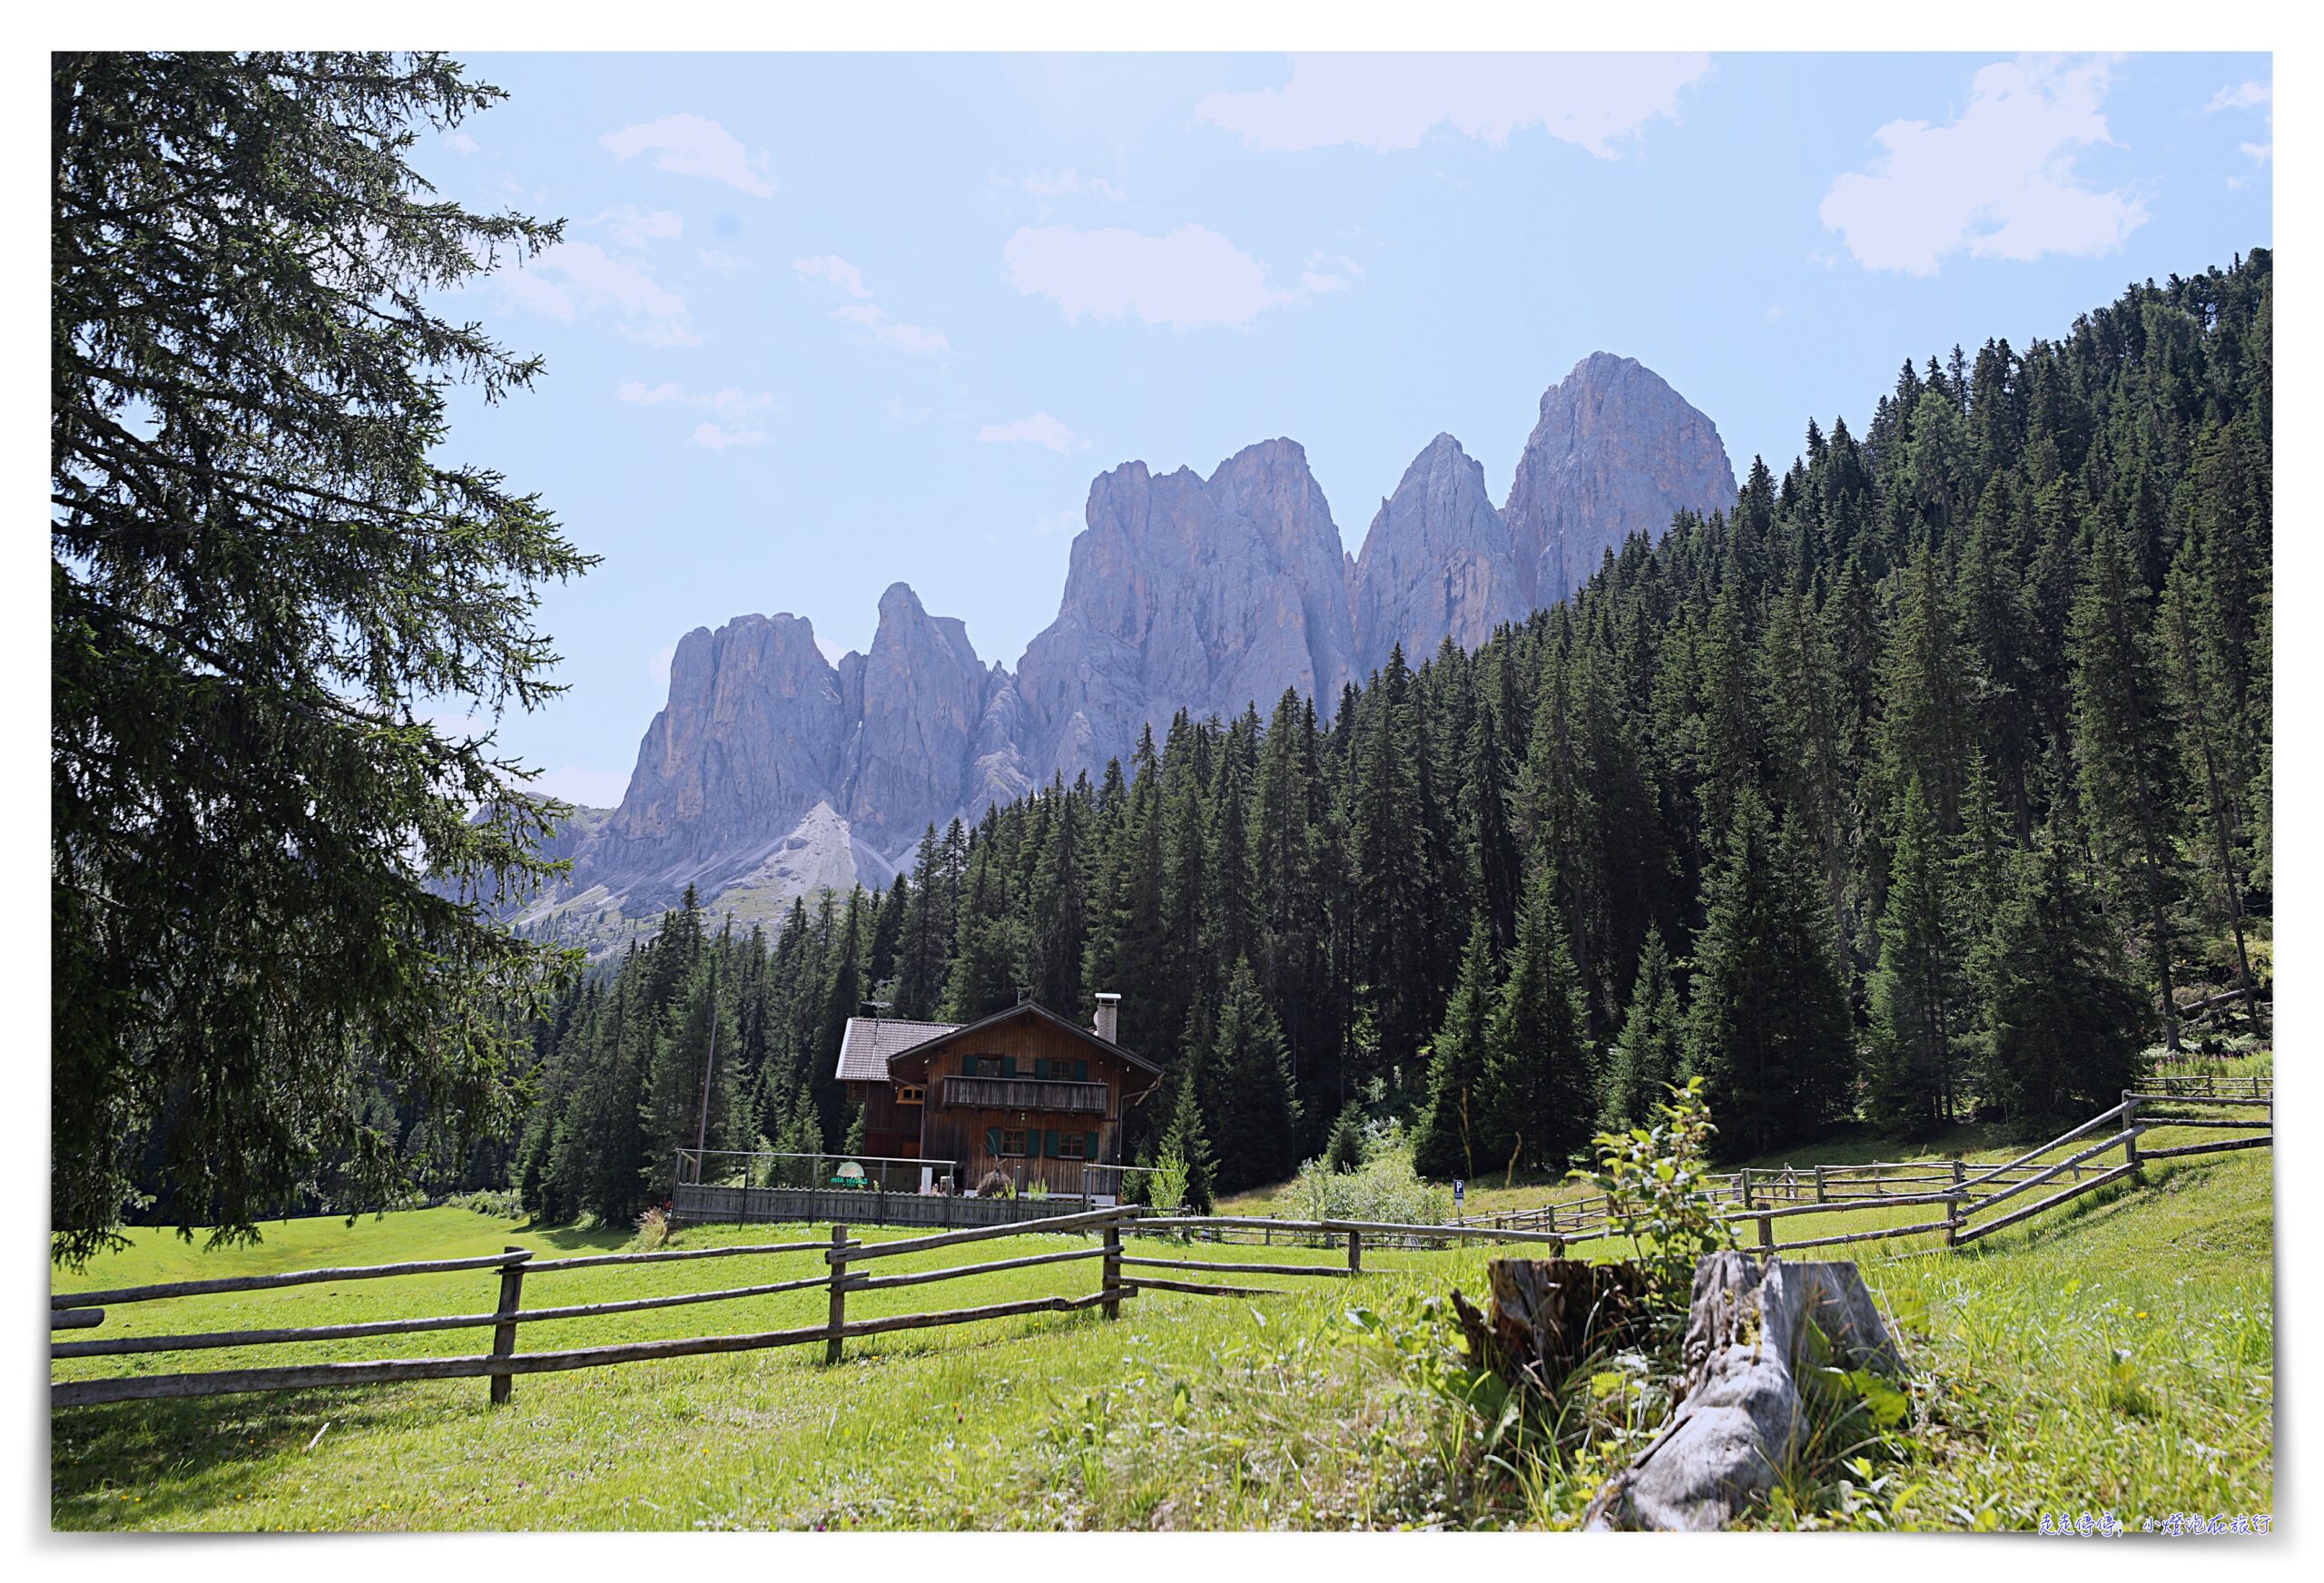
x=712 y=438
x=635 y=227
x=1070 y=183
x=562 y=278
x=915 y=339
x=1391 y=100
x=693 y=145
x=728 y=403
x=2247 y=96
x=1998 y=181
x=585 y=788
x=837 y=270
x=1040 y=429
x=2242 y=96
x=1190 y=277
x=725 y=264
x=459 y=143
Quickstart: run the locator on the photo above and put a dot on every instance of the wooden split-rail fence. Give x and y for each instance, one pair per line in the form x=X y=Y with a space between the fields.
x=1960 y=1190
x=1961 y=1195
x=845 y=1259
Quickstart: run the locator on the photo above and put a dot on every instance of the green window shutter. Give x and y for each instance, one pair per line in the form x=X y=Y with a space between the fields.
x=1048 y=1143
x=1040 y=1067
x=1008 y=1065
x=1081 y=1071
x=1089 y=1145
x=992 y=1141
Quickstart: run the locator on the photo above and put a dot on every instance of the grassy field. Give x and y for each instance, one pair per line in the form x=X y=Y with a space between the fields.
x=2115 y=1355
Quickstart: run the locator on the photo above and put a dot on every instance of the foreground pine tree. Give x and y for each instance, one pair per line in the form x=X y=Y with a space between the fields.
x=262 y=570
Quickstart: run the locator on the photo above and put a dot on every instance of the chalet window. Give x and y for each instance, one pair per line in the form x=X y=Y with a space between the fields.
x=911 y=1093
x=1073 y=1145
x=1012 y=1141
x=984 y=1066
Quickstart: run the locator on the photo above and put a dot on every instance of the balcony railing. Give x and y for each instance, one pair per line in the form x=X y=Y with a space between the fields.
x=1026 y=1093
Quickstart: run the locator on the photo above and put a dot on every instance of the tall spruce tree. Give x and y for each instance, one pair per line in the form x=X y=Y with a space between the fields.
x=1444 y=1140
x=2064 y=1024
x=2124 y=757
x=1644 y=1063
x=1769 y=1029
x=1540 y=1077
x=264 y=856
x=1255 y=1115
x=1919 y=991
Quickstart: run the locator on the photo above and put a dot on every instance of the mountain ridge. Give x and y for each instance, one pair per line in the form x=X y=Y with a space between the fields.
x=770 y=768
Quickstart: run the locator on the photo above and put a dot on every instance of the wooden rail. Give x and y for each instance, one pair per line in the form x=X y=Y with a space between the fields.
x=269 y=1283
x=503 y=1363
x=1757 y=1193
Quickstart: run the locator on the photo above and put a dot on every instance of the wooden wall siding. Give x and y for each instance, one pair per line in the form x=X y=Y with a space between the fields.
x=957 y=1133
x=1026 y=1094
x=728 y=1206
x=962 y=1110
x=889 y=1129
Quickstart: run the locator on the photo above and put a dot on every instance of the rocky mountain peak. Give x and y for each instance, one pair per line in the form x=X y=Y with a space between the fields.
x=1616 y=451
x=1436 y=563
x=1187 y=592
x=771 y=771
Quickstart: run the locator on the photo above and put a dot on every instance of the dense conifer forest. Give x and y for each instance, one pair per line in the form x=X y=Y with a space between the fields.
x=1930 y=783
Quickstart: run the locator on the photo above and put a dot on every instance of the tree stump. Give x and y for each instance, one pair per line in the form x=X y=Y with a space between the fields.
x=1549 y=1314
x=1738 y=1419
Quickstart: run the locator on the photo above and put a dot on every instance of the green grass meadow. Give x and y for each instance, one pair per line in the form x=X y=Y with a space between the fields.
x=2116 y=1355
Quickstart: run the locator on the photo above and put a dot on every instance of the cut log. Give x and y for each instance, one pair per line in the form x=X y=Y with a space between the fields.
x=1548 y=1316
x=1738 y=1418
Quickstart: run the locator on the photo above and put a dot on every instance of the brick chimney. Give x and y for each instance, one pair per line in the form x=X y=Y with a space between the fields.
x=1108 y=1018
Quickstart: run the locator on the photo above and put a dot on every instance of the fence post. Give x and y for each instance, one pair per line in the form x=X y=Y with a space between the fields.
x=1356 y=1252
x=1822 y=1195
x=838 y=1292
x=2131 y=1125
x=1110 y=1279
x=504 y=1334
x=1956 y=1207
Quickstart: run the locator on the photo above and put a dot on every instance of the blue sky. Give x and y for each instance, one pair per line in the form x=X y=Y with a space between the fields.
x=823 y=322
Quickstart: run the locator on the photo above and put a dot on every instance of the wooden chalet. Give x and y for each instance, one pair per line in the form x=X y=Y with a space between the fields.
x=1024 y=1092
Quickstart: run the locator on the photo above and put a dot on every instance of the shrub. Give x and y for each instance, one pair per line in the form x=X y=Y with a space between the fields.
x=1385 y=1187
x=1657 y=1184
x=499 y=1203
x=1166 y=1188
x=653 y=1229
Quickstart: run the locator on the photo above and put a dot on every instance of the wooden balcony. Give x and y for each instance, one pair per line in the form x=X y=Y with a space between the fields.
x=1024 y=1094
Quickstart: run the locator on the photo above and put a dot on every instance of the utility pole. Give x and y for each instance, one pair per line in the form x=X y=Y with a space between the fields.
x=709 y=1067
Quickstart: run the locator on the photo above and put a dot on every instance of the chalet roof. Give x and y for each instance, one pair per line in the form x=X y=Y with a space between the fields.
x=1089 y=1035
x=869 y=1041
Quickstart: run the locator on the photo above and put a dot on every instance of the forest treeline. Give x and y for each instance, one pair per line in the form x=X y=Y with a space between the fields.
x=1926 y=783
